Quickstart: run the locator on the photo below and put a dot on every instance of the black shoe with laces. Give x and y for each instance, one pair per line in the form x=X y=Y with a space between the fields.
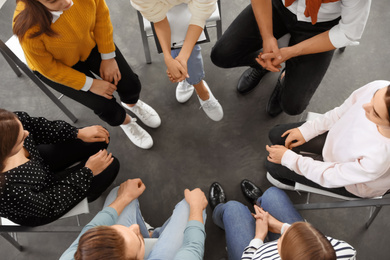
x=251 y=191
x=250 y=79
x=216 y=195
x=273 y=107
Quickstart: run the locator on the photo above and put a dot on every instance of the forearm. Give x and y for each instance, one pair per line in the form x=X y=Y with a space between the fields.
x=315 y=44
x=196 y=213
x=120 y=203
x=192 y=37
x=262 y=10
x=163 y=31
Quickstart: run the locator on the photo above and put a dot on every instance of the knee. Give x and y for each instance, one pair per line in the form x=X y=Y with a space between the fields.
x=293 y=107
x=113 y=168
x=218 y=56
x=275 y=135
x=112 y=113
x=233 y=207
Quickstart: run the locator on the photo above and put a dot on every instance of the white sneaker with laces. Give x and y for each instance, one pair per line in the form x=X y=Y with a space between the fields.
x=137 y=134
x=211 y=106
x=145 y=113
x=184 y=91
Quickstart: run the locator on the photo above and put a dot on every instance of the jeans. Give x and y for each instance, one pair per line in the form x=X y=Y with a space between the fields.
x=170 y=235
x=59 y=157
x=109 y=110
x=314 y=146
x=241 y=44
x=194 y=65
x=240 y=226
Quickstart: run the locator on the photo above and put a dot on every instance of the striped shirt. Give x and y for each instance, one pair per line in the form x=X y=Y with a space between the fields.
x=269 y=251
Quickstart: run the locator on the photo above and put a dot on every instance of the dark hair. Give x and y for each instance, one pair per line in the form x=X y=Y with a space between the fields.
x=33 y=14
x=9 y=132
x=387 y=101
x=102 y=242
x=302 y=241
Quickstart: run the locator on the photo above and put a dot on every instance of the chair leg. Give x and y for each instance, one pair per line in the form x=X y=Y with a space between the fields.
x=12 y=241
x=144 y=39
x=219 y=29
x=373 y=216
x=11 y=64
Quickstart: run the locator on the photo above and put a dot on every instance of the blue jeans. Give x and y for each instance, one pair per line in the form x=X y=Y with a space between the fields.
x=170 y=235
x=194 y=65
x=240 y=226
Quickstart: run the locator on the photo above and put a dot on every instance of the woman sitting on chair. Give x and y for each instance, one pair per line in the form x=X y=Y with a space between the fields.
x=185 y=64
x=64 y=42
x=48 y=167
x=354 y=140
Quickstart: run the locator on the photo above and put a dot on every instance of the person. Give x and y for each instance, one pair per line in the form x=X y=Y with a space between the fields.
x=120 y=232
x=289 y=236
x=316 y=29
x=48 y=167
x=184 y=64
x=64 y=42
x=353 y=139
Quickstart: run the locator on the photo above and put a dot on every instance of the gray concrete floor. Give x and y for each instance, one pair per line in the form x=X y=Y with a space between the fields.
x=191 y=150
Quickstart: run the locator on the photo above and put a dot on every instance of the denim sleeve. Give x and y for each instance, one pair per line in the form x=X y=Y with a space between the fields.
x=107 y=217
x=193 y=242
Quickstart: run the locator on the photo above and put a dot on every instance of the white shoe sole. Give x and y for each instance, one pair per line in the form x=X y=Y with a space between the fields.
x=278 y=184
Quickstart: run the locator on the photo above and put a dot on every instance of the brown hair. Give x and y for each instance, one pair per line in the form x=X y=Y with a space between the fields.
x=387 y=101
x=9 y=132
x=302 y=241
x=34 y=13
x=102 y=242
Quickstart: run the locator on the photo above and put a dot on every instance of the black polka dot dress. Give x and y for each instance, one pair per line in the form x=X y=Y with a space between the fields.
x=31 y=194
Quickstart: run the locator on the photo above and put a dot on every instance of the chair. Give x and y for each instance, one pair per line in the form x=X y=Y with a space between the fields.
x=347 y=202
x=8 y=229
x=14 y=55
x=215 y=20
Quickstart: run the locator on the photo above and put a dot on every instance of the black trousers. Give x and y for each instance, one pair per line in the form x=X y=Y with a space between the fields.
x=67 y=157
x=109 y=110
x=241 y=44
x=314 y=146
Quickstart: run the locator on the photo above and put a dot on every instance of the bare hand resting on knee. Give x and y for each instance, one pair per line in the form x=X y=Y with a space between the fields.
x=99 y=162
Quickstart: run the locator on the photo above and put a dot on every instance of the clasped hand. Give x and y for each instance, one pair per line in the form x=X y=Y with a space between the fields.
x=176 y=69
x=109 y=72
x=92 y=134
x=294 y=139
x=272 y=56
x=265 y=222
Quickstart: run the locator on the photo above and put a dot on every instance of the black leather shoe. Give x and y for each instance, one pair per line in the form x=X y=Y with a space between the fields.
x=216 y=195
x=251 y=191
x=273 y=106
x=250 y=79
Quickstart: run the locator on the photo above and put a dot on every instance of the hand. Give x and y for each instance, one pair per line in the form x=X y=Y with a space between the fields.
x=92 y=134
x=261 y=223
x=270 y=46
x=131 y=190
x=285 y=54
x=274 y=225
x=99 y=162
x=102 y=88
x=175 y=70
x=109 y=71
x=196 y=198
x=276 y=153
x=294 y=138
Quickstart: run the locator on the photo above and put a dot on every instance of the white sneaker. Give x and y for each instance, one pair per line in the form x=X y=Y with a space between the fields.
x=137 y=134
x=211 y=106
x=184 y=91
x=278 y=184
x=145 y=113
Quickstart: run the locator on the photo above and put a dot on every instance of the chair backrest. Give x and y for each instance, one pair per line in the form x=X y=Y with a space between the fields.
x=2 y=2
x=215 y=16
x=14 y=45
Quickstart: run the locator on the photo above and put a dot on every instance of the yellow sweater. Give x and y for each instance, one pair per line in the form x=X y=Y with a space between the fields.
x=80 y=28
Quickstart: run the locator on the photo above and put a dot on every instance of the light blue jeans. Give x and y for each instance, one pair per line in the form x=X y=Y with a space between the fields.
x=170 y=235
x=194 y=65
x=239 y=225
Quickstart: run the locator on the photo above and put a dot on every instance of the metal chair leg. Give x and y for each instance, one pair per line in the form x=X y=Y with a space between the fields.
x=373 y=216
x=17 y=62
x=12 y=241
x=11 y=64
x=144 y=38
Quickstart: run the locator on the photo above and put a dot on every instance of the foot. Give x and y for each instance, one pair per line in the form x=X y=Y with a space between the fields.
x=273 y=107
x=145 y=113
x=184 y=91
x=211 y=106
x=216 y=195
x=251 y=191
x=250 y=79
x=137 y=134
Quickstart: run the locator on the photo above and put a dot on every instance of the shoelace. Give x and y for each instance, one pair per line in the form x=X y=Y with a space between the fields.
x=142 y=110
x=209 y=104
x=135 y=131
x=254 y=75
